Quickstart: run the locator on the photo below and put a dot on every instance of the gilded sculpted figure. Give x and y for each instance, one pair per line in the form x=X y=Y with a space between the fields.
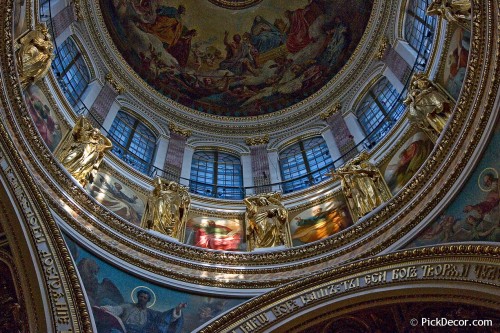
x=167 y=209
x=35 y=55
x=456 y=11
x=363 y=185
x=267 y=222
x=429 y=108
x=82 y=151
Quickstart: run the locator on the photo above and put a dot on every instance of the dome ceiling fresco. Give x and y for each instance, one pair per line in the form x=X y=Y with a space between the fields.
x=236 y=58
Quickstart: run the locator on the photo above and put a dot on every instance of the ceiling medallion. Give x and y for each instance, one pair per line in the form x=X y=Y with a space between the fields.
x=235 y=4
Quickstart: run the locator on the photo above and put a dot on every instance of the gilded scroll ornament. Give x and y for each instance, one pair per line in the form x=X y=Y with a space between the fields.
x=112 y=82
x=429 y=108
x=167 y=209
x=363 y=185
x=82 y=151
x=266 y=222
x=454 y=11
x=331 y=111
x=179 y=130
x=257 y=140
x=35 y=55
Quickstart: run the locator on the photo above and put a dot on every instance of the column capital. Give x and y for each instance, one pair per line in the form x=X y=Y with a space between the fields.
x=179 y=130
x=331 y=111
x=257 y=140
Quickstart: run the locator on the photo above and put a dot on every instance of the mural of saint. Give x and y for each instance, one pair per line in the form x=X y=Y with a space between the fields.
x=43 y=116
x=117 y=197
x=124 y=303
x=320 y=222
x=474 y=215
x=457 y=59
x=213 y=233
x=407 y=160
x=236 y=63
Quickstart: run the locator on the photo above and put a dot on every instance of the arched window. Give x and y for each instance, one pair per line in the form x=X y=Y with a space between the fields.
x=379 y=111
x=419 y=29
x=216 y=174
x=304 y=164
x=71 y=71
x=133 y=142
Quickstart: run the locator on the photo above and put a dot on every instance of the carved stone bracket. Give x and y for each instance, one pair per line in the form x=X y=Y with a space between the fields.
x=257 y=140
x=333 y=110
x=112 y=82
x=182 y=131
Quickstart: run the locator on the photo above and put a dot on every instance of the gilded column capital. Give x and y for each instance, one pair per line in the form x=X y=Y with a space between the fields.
x=115 y=85
x=330 y=112
x=78 y=10
x=182 y=131
x=257 y=140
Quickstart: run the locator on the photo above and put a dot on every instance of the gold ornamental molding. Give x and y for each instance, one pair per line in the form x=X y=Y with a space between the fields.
x=257 y=140
x=383 y=47
x=370 y=236
x=115 y=85
x=409 y=270
x=330 y=112
x=179 y=130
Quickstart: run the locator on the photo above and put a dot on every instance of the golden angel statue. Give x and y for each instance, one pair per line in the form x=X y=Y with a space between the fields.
x=362 y=185
x=266 y=222
x=167 y=209
x=35 y=55
x=82 y=151
x=429 y=108
x=455 y=11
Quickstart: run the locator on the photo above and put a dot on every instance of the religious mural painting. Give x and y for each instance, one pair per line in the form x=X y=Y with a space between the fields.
x=456 y=61
x=319 y=222
x=123 y=303
x=215 y=233
x=406 y=161
x=474 y=215
x=19 y=17
x=46 y=121
x=117 y=197
x=237 y=63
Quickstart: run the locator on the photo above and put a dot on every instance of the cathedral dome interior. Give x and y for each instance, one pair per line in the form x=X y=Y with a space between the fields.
x=249 y=166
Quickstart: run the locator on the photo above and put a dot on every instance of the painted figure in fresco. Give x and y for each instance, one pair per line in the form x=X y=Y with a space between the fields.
x=168 y=25
x=458 y=64
x=429 y=108
x=217 y=237
x=363 y=185
x=111 y=196
x=298 y=34
x=167 y=209
x=83 y=151
x=239 y=55
x=49 y=129
x=320 y=225
x=138 y=318
x=267 y=221
x=410 y=160
x=35 y=55
x=264 y=35
x=492 y=199
x=454 y=11
x=338 y=40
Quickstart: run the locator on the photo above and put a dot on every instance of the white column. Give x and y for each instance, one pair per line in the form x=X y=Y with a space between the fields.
x=355 y=128
x=161 y=151
x=110 y=117
x=393 y=80
x=246 y=168
x=186 y=164
x=406 y=51
x=274 y=169
x=332 y=146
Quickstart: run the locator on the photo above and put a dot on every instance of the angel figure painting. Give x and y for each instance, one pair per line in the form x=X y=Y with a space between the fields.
x=407 y=160
x=214 y=233
x=125 y=303
x=456 y=61
x=236 y=63
x=319 y=222
x=474 y=215
x=117 y=197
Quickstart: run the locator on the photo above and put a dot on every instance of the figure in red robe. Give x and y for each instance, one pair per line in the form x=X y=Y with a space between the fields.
x=298 y=35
